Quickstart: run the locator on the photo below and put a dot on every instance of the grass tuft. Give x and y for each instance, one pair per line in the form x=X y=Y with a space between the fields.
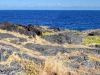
x=54 y=67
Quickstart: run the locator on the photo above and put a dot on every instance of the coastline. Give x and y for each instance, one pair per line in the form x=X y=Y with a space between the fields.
x=42 y=50
x=72 y=20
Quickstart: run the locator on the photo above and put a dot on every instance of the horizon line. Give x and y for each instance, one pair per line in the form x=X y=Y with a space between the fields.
x=49 y=9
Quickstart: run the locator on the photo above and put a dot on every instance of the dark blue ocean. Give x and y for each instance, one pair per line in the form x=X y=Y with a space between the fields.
x=64 y=19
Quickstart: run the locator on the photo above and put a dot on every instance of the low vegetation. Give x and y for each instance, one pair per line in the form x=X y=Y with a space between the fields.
x=47 y=33
x=74 y=31
x=92 y=39
x=30 y=67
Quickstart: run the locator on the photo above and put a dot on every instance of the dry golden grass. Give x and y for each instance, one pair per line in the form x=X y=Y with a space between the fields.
x=13 y=33
x=39 y=40
x=30 y=67
x=11 y=58
x=74 y=46
x=53 y=65
x=94 y=58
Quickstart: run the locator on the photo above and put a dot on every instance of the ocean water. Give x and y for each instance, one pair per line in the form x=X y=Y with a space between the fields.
x=63 y=19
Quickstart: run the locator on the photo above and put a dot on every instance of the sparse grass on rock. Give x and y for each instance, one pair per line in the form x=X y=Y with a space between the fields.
x=56 y=57
x=92 y=39
x=47 y=33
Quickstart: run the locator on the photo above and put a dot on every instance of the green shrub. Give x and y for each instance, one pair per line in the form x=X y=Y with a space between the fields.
x=92 y=39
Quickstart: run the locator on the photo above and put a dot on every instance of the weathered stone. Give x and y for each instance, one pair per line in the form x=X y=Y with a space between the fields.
x=22 y=40
x=94 y=33
x=35 y=28
x=74 y=57
x=5 y=69
x=74 y=65
x=88 y=64
x=67 y=37
x=98 y=63
x=9 y=47
x=36 y=60
x=4 y=55
x=17 y=41
x=30 y=30
x=46 y=50
x=80 y=58
x=97 y=46
x=6 y=35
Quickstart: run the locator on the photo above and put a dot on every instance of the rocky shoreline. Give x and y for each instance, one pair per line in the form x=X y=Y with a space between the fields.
x=79 y=50
x=54 y=35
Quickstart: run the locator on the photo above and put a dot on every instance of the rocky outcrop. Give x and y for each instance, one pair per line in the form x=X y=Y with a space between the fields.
x=80 y=60
x=66 y=37
x=76 y=58
x=13 y=69
x=18 y=41
x=94 y=33
x=53 y=50
x=30 y=30
x=6 y=51
x=5 y=35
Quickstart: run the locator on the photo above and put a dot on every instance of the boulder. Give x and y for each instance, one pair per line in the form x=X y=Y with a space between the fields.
x=35 y=28
x=5 y=25
x=94 y=33
x=97 y=46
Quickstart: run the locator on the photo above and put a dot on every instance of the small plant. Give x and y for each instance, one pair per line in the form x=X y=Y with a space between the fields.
x=54 y=67
x=30 y=67
x=6 y=53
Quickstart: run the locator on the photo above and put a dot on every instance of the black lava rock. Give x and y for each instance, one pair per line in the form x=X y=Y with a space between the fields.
x=67 y=37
